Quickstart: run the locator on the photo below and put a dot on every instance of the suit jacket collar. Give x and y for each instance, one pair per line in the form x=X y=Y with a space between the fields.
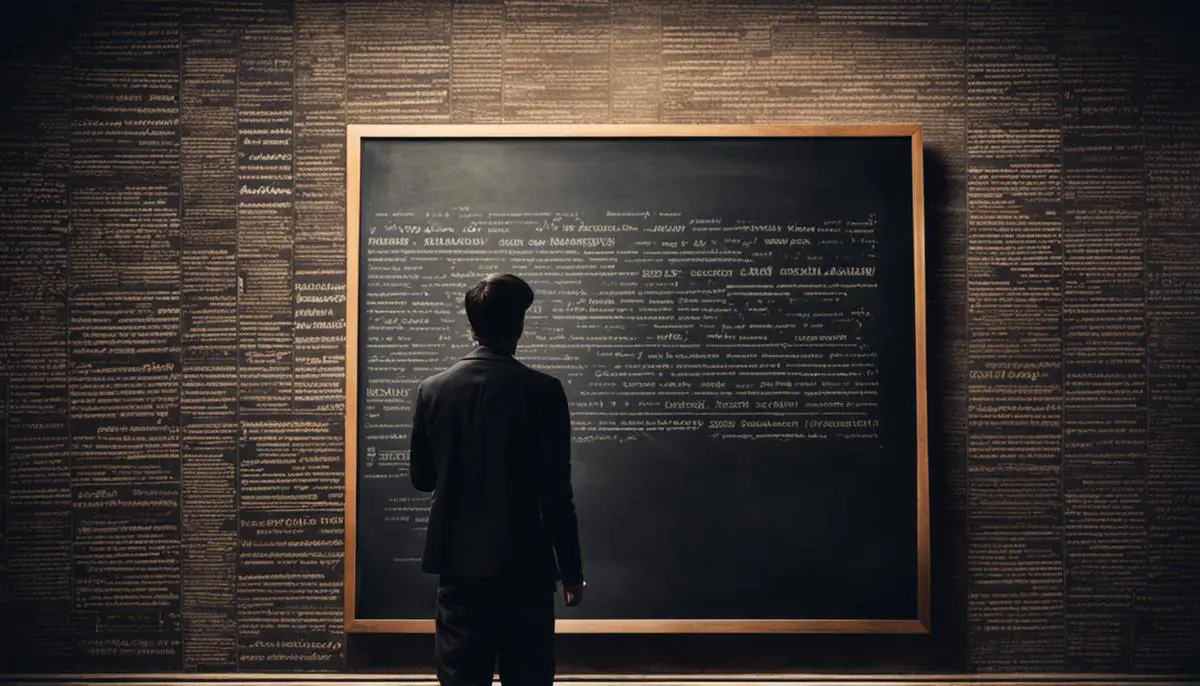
x=482 y=352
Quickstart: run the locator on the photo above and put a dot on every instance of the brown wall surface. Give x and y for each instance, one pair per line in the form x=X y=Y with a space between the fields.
x=171 y=407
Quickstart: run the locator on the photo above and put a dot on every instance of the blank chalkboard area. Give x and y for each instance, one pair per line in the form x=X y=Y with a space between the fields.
x=733 y=320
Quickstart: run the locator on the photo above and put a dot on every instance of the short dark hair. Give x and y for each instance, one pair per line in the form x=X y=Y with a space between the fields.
x=496 y=307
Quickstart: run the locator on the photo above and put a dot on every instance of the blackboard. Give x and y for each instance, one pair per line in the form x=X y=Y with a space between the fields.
x=737 y=316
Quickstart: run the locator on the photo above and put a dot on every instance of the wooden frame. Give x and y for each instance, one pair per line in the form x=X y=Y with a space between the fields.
x=355 y=134
x=590 y=679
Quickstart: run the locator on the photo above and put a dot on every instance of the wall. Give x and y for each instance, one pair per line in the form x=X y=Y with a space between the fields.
x=173 y=189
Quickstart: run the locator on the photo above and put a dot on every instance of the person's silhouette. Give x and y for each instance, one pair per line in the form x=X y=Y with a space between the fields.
x=491 y=438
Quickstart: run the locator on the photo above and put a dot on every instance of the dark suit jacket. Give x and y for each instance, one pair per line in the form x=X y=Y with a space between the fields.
x=492 y=439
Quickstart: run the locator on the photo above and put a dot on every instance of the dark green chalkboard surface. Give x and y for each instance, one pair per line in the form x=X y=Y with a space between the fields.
x=737 y=314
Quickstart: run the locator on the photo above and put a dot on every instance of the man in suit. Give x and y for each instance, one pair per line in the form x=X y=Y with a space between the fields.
x=491 y=439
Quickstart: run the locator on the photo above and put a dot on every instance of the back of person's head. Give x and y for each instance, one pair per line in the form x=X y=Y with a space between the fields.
x=496 y=308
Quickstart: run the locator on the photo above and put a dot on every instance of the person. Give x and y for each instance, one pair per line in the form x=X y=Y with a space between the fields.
x=491 y=440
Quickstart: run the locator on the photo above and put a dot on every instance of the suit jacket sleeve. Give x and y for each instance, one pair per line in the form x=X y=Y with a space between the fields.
x=422 y=469
x=555 y=492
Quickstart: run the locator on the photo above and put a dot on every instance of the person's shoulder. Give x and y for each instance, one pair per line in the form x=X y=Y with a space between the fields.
x=433 y=381
x=542 y=380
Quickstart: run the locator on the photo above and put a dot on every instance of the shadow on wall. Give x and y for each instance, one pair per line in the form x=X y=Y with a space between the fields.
x=30 y=28
x=944 y=650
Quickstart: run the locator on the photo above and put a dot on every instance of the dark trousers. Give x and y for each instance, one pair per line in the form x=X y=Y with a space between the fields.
x=478 y=622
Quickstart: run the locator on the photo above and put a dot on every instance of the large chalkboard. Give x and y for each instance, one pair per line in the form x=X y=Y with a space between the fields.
x=737 y=316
